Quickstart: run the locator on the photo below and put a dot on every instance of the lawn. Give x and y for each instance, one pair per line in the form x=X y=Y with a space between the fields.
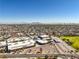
x=73 y=39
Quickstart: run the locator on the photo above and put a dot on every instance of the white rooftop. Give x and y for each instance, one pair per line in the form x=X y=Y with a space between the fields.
x=42 y=41
x=20 y=44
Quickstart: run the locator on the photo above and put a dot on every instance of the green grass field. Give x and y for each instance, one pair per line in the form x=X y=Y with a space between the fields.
x=73 y=39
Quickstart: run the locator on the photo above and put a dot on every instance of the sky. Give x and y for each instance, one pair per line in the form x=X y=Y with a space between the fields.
x=44 y=11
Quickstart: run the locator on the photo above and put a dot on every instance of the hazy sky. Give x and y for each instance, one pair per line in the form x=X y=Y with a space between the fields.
x=45 y=11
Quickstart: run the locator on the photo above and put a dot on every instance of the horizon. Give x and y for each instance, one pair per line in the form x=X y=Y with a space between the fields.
x=43 y=11
x=38 y=22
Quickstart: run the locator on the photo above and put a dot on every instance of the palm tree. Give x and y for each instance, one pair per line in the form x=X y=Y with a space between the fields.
x=6 y=47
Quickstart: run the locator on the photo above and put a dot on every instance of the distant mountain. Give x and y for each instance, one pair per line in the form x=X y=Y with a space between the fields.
x=36 y=23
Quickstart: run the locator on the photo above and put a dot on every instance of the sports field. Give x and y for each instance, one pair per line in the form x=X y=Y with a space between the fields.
x=74 y=40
